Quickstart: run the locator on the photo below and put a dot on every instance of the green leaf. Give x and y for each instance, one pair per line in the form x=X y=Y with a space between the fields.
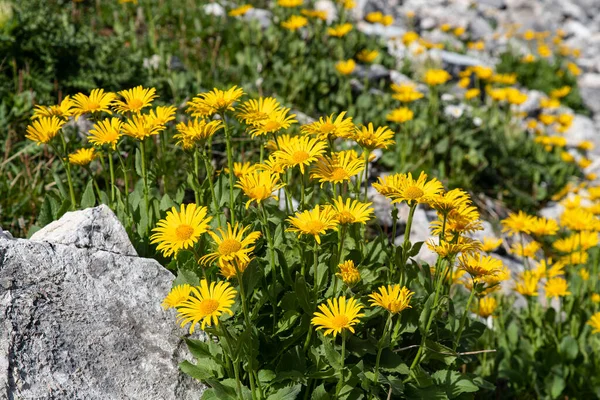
x=427 y=310
x=392 y=362
x=454 y=383
x=166 y=203
x=266 y=375
x=320 y=393
x=186 y=276
x=289 y=392
x=196 y=371
x=88 y=199
x=301 y=290
x=334 y=358
x=568 y=348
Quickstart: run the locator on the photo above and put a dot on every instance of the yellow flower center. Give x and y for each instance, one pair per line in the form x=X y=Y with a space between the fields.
x=272 y=126
x=229 y=246
x=339 y=322
x=327 y=127
x=259 y=193
x=339 y=174
x=346 y=217
x=208 y=306
x=300 y=156
x=136 y=104
x=184 y=232
x=314 y=227
x=93 y=106
x=413 y=193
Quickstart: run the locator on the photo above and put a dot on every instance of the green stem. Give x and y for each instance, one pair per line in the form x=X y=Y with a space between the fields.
x=464 y=317
x=211 y=185
x=112 y=178
x=340 y=384
x=366 y=155
x=248 y=326
x=380 y=348
x=230 y=166
x=145 y=179
x=67 y=167
x=316 y=265
x=126 y=180
x=272 y=260
x=196 y=176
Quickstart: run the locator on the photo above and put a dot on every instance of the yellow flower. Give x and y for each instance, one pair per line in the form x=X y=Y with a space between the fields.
x=448 y=249
x=528 y=58
x=483 y=72
x=44 y=129
x=514 y=96
x=529 y=250
x=180 y=230
x=583 y=163
x=400 y=115
x=162 y=114
x=410 y=37
x=374 y=17
x=527 y=284
x=330 y=127
x=289 y=3
x=595 y=298
x=393 y=298
x=543 y=226
x=505 y=79
x=584 y=274
x=239 y=11
x=586 y=145
x=477 y=265
x=549 y=103
x=445 y=27
x=560 y=92
x=314 y=222
x=573 y=69
x=340 y=30
x=459 y=31
x=63 y=110
x=542 y=271
x=348 y=4
x=253 y=112
x=231 y=246
x=300 y=151
x=497 y=94
x=273 y=123
x=135 y=99
x=371 y=138
x=490 y=244
x=241 y=169
x=195 y=132
x=487 y=306
x=557 y=287
x=464 y=82
x=578 y=219
x=337 y=168
x=405 y=188
x=319 y=14
x=82 y=157
x=214 y=102
x=478 y=46
x=445 y=202
x=517 y=223
x=348 y=273
x=107 y=131
x=435 y=77
x=345 y=67
x=387 y=20
x=352 y=211
x=338 y=315
x=141 y=127
x=544 y=51
x=406 y=92
x=472 y=93
x=594 y=322
x=206 y=304
x=294 y=23
x=97 y=101
x=259 y=185
x=176 y=296
x=367 y=56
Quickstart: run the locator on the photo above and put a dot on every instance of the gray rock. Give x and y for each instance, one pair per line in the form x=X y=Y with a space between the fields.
x=589 y=86
x=458 y=60
x=480 y=28
x=262 y=16
x=583 y=128
x=533 y=101
x=96 y=228
x=86 y=323
x=373 y=72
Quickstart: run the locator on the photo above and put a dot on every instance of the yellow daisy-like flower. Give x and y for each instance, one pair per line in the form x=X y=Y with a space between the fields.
x=584 y=274
x=400 y=115
x=548 y=269
x=330 y=127
x=352 y=211
x=578 y=219
x=141 y=127
x=338 y=168
x=107 y=131
x=180 y=230
x=273 y=123
x=393 y=298
x=387 y=20
x=214 y=102
x=176 y=296
x=345 y=67
x=349 y=274
x=411 y=190
x=560 y=92
x=371 y=138
x=337 y=315
x=196 y=132
x=527 y=284
x=82 y=157
x=314 y=222
x=232 y=246
x=490 y=244
x=44 y=129
x=97 y=101
x=63 y=110
x=529 y=250
x=254 y=112
x=135 y=99
x=436 y=77
x=595 y=298
x=472 y=93
x=409 y=37
x=289 y=3
x=239 y=11
x=162 y=114
x=294 y=23
x=300 y=151
x=543 y=226
x=406 y=92
x=230 y=270
x=206 y=303
x=445 y=202
x=557 y=287
x=374 y=17
x=448 y=249
x=594 y=322
x=517 y=223
x=340 y=30
x=319 y=14
x=259 y=185
x=477 y=265
x=367 y=56
x=241 y=169
x=487 y=306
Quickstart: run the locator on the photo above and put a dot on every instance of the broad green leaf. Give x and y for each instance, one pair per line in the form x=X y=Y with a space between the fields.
x=286 y=393
x=569 y=348
x=320 y=393
x=88 y=199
